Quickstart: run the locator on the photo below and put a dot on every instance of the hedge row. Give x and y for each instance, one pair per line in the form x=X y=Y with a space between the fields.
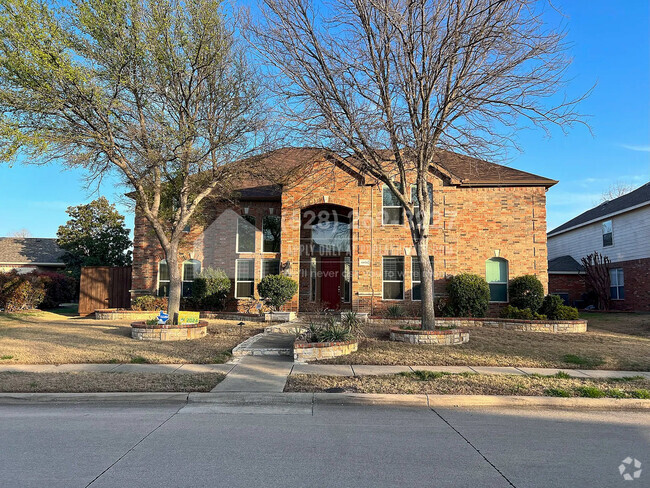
x=34 y=290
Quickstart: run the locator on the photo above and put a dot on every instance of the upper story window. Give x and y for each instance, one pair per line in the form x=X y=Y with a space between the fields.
x=271 y=231
x=392 y=211
x=616 y=285
x=393 y=278
x=191 y=269
x=331 y=237
x=608 y=236
x=246 y=233
x=496 y=274
x=416 y=206
x=163 y=279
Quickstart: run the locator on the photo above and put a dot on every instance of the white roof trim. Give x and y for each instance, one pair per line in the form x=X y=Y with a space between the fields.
x=604 y=217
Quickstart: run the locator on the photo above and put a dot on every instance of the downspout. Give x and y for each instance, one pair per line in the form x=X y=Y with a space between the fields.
x=372 y=254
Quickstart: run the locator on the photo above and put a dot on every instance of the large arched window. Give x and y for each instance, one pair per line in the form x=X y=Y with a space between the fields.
x=496 y=274
x=163 y=279
x=191 y=269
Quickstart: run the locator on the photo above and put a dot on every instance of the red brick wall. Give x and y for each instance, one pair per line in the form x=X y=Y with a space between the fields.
x=636 y=277
x=573 y=284
x=470 y=226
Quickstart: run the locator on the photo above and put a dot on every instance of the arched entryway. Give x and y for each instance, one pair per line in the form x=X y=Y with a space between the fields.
x=325 y=258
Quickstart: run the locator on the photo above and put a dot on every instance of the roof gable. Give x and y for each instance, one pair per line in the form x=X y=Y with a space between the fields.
x=629 y=201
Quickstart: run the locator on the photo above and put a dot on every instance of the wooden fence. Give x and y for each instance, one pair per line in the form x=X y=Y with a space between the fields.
x=104 y=287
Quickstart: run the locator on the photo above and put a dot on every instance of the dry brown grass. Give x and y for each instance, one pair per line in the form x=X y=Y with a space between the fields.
x=469 y=384
x=106 y=382
x=614 y=341
x=46 y=338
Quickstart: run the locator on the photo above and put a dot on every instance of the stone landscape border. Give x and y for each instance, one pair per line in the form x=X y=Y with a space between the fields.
x=313 y=351
x=118 y=314
x=164 y=332
x=443 y=337
x=548 y=326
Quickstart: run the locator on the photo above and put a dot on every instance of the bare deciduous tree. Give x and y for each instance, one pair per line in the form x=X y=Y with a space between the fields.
x=615 y=190
x=157 y=91
x=393 y=83
x=20 y=233
x=597 y=277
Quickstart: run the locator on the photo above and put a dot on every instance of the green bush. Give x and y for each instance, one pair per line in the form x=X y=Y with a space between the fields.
x=210 y=289
x=526 y=292
x=567 y=313
x=277 y=290
x=551 y=306
x=149 y=303
x=20 y=292
x=469 y=295
x=395 y=312
x=510 y=312
x=58 y=288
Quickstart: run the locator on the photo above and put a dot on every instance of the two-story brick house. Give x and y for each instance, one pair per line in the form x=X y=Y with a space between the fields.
x=618 y=229
x=343 y=236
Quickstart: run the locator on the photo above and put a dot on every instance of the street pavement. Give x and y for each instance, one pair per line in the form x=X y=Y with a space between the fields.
x=175 y=444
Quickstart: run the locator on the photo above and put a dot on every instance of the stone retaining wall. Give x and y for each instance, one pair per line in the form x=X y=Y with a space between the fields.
x=157 y=332
x=115 y=314
x=245 y=317
x=438 y=337
x=549 y=326
x=310 y=351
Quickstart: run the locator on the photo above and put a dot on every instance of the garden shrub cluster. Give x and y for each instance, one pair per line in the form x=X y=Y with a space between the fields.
x=527 y=302
x=35 y=289
x=210 y=289
x=149 y=303
x=469 y=296
x=510 y=312
x=276 y=290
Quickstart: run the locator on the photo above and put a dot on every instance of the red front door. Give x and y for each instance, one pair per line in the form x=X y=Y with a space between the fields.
x=330 y=283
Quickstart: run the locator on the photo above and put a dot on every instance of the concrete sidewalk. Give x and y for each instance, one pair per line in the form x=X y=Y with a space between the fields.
x=286 y=367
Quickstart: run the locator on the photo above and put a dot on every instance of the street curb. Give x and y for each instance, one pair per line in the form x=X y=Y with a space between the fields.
x=468 y=401
x=278 y=399
x=162 y=397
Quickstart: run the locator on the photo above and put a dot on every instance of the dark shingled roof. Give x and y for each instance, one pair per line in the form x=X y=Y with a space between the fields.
x=29 y=250
x=637 y=197
x=273 y=166
x=563 y=264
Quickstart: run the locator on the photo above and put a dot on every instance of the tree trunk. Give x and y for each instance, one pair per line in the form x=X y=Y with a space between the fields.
x=426 y=284
x=175 y=285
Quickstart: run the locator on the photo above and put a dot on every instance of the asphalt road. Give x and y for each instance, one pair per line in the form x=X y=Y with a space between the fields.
x=173 y=445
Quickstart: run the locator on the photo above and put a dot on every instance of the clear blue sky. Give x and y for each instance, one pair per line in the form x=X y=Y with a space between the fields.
x=611 y=47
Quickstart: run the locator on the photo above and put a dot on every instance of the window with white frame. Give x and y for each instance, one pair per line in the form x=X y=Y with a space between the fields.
x=496 y=274
x=246 y=233
x=393 y=278
x=608 y=235
x=616 y=285
x=270 y=267
x=392 y=212
x=191 y=269
x=416 y=202
x=416 y=280
x=271 y=231
x=163 y=279
x=244 y=278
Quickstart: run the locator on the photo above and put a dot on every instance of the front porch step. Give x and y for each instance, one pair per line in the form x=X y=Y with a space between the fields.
x=266 y=344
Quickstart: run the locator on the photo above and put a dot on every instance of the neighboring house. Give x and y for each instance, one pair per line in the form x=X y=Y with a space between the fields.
x=26 y=254
x=619 y=229
x=343 y=236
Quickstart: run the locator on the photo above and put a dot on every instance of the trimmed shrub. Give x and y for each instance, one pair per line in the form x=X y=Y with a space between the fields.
x=210 y=289
x=395 y=312
x=551 y=306
x=20 y=292
x=59 y=288
x=567 y=313
x=149 y=303
x=510 y=312
x=469 y=295
x=526 y=292
x=277 y=290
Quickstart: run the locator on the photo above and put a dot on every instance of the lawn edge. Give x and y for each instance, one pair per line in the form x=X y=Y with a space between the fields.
x=415 y=400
